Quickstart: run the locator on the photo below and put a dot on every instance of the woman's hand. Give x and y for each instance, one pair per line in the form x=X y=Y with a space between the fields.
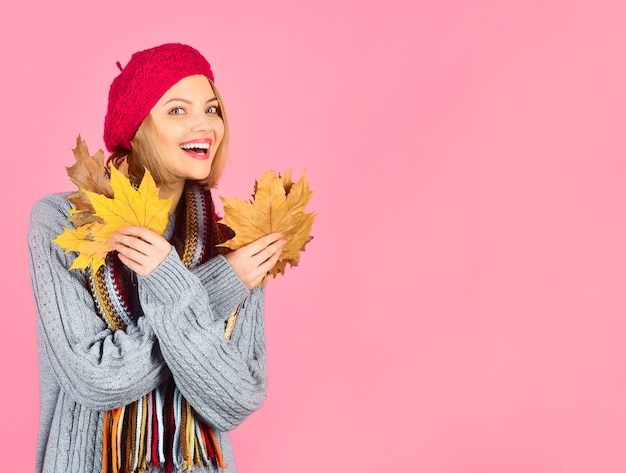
x=140 y=249
x=252 y=262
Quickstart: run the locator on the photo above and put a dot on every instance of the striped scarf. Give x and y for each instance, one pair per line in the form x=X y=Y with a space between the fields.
x=160 y=429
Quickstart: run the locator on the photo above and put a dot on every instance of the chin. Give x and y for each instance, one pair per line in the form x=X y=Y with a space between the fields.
x=198 y=176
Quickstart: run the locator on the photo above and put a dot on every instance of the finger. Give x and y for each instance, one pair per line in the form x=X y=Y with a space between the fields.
x=122 y=242
x=128 y=261
x=269 y=263
x=270 y=238
x=267 y=252
x=133 y=265
x=132 y=253
x=142 y=233
x=258 y=245
x=141 y=239
x=264 y=269
x=264 y=252
x=140 y=262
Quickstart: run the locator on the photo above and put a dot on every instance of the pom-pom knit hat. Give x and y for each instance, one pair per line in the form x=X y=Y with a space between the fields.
x=140 y=85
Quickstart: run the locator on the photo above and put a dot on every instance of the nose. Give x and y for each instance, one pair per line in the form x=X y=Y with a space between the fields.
x=201 y=122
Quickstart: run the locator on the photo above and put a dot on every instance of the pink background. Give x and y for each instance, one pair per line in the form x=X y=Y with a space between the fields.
x=461 y=308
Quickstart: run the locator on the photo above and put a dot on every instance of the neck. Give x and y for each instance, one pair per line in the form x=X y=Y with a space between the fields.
x=175 y=191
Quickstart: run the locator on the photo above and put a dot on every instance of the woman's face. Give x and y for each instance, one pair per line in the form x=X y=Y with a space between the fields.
x=188 y=128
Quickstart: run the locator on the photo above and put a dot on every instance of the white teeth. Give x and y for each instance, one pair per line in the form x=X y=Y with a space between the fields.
x=195 y=146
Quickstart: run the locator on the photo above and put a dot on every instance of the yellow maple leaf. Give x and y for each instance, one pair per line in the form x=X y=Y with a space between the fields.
x=277 y=205
x=132 y=207
x=128 y=207
x=92 y=248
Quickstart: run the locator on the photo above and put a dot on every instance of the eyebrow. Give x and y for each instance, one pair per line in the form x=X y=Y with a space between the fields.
x=176 y=99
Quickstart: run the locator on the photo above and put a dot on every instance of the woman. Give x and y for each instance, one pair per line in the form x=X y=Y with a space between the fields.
x=136 y=373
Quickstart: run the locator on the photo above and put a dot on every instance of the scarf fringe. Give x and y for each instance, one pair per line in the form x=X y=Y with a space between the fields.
x=151 y=434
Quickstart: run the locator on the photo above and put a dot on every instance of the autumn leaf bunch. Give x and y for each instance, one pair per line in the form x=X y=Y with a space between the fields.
x=105 y=204
x=277 y=205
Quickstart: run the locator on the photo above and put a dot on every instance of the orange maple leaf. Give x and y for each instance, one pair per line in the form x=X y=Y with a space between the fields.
x=89 y=173
x=277 y=205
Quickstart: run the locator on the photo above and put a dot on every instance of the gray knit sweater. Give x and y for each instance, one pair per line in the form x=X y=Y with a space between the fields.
x=85 y=368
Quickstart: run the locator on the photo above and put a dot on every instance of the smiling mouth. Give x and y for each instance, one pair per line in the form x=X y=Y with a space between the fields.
x=200 y=149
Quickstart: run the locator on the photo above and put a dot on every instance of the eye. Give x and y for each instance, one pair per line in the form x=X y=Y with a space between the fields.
x=176 y=111
x=213 y=109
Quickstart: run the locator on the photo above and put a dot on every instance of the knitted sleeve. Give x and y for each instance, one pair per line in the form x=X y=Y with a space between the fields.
x=98 y=368
x=223 y=295
x=224 y=380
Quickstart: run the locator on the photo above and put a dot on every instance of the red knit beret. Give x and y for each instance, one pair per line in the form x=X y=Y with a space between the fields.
x=140 y=85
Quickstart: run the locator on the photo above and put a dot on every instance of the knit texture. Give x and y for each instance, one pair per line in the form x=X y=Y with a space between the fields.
x=140 y=85
x=86 y=368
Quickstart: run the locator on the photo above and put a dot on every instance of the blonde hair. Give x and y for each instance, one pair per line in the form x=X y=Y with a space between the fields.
x=146 y=154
